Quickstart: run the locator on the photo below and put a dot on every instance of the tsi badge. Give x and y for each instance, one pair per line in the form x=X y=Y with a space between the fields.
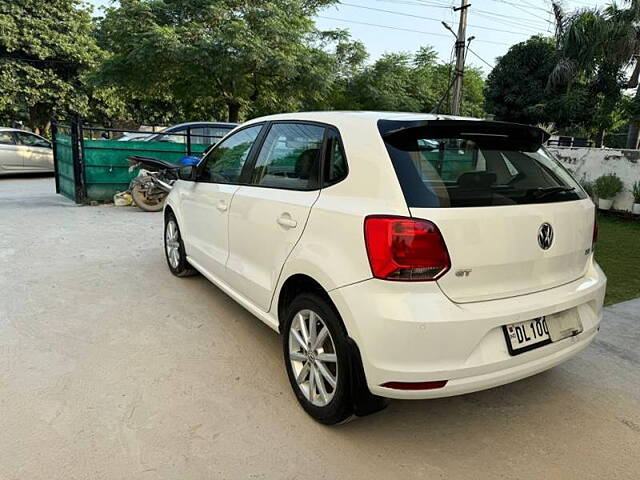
x=463 y=273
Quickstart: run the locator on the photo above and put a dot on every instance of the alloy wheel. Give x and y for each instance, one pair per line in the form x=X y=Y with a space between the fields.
x=172 y=243
x=313 y=358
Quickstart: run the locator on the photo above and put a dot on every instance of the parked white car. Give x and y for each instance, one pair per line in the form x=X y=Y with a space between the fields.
x=24 y=152
x=400 y=255
x=204 y=133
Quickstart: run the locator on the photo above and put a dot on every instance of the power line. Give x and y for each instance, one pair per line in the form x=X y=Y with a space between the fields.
x=381 y=26
x=481 y=59
x=537 y=7
x=414 y=3
x=530 y=23
x=401 y=29
x=425 y=18
x=506 y=20
x=511 y=17
x=523 y=9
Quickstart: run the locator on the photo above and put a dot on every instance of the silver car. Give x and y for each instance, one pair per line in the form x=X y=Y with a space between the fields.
x=24 y=152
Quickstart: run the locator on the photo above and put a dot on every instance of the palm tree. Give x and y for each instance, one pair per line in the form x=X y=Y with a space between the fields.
x=596 y=46
x=632 y=17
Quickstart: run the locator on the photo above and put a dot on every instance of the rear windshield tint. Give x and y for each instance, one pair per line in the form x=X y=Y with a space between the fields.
x=475 y=164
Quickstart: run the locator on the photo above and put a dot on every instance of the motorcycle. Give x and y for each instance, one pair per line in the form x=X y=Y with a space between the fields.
x=155 y=180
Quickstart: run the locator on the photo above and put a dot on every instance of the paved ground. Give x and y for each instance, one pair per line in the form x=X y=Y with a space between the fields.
x=111 y=368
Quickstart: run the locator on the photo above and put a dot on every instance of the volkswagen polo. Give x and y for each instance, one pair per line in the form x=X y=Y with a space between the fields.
x=405 y=256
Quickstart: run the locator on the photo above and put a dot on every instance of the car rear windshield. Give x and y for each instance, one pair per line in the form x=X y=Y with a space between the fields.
x=446 y=163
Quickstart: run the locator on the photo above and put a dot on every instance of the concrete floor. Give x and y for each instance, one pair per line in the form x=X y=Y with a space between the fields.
x=111 y=368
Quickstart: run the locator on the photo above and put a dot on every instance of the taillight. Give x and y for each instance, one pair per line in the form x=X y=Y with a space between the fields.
x=405 y=249
x=595 y=232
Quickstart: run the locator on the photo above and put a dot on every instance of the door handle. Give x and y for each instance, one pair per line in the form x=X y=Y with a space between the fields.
x=222 y=206
x=286 y=221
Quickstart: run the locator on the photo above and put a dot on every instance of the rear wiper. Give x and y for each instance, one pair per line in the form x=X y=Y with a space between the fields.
x=542 y=192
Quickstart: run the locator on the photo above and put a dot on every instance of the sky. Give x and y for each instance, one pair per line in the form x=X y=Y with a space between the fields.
x=405 y=25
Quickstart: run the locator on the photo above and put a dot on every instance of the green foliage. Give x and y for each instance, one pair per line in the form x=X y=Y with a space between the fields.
x=166 y=61
x=588 y=186
x=618 y=254
x=256 y=55
x=516 y=88
x=635 y=191
x=608 y=186
x=412 y=83
x=594 y=49
x=45 y=48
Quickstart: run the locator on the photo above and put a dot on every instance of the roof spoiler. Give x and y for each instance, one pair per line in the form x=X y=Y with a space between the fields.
x=471 y=128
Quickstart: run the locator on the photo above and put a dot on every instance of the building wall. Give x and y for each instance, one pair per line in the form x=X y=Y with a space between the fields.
x=590 y=163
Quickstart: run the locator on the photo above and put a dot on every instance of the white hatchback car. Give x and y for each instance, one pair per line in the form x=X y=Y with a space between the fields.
x=400 y=255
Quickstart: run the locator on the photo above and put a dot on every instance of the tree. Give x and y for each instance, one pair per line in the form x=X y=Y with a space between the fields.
x=515 y=88
x=411 y=82
x=45 y=48
x=596 y=47
x=251 y=55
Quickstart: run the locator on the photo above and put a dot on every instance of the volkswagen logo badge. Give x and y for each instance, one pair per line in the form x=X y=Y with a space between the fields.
x=545 y=236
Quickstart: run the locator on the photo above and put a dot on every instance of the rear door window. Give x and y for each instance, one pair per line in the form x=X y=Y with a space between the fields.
x=31 y=140
x=177 y=135
x=475 y=164
x=208 y=135
x=290 y=157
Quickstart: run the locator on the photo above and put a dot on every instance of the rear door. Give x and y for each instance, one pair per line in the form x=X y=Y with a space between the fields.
x=268 y=216
x=205 y=203
x=9 y=157
x=36 y=152
x=513 y=219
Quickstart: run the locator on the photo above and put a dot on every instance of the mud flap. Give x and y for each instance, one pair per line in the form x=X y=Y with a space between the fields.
x=364 y=402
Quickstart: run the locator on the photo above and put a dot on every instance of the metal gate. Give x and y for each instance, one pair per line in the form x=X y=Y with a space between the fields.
x=89 y=169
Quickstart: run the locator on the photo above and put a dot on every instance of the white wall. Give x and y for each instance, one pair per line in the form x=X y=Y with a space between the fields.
x=590 y=163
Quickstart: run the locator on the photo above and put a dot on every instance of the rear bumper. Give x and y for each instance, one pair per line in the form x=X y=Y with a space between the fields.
x=411 y=332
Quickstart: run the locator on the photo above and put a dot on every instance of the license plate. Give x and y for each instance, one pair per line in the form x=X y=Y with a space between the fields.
x=524 y=336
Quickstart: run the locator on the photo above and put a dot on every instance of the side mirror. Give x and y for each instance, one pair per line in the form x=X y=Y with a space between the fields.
x=187 y=173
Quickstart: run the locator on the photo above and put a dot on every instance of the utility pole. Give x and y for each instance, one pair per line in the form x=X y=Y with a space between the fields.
x=456 y=99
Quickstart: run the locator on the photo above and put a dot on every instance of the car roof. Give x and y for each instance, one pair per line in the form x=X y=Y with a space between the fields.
x=193 y=124
x=10 y=129
x=336 y=117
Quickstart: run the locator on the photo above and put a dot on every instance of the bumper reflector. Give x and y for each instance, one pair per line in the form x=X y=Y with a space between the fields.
x=415 y=385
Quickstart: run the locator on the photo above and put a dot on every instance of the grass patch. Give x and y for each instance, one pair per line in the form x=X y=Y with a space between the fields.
x=618 y=253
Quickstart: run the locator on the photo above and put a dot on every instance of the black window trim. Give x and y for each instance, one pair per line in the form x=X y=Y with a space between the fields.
x=252 y=152
x=251 y=161
x=327 y=158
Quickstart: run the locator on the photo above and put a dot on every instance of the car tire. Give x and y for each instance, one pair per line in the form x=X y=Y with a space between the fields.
x=174 y=249
x=327 y=403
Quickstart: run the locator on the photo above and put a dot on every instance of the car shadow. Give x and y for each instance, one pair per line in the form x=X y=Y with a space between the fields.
x=435 y=414
x=27 y=175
